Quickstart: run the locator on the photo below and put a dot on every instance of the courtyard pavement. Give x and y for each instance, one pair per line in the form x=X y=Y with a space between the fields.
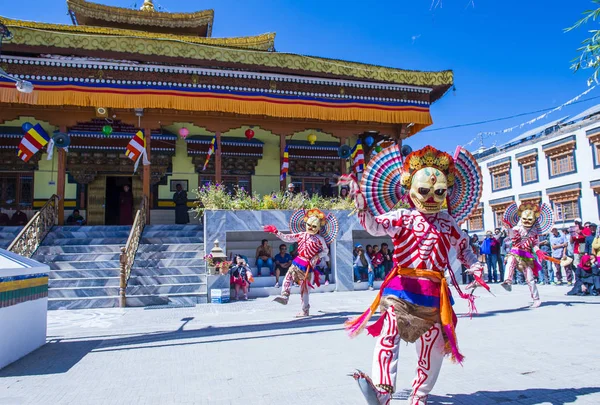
x=256 y=353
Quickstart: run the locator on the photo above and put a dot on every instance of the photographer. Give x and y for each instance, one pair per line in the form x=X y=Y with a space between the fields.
x=240 y=278
x=500 y=235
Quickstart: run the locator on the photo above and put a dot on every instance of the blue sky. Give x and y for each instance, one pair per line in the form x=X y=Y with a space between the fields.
x=508 y=56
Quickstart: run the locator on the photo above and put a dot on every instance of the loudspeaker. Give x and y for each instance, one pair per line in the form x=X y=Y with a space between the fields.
x=406 y=150
x=61 y=140
x=344 y=151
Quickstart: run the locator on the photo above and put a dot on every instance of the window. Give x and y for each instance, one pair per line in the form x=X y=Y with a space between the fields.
x=567 y=210
x=596 y=154
x=230 y=182
x=498 y=218
x=563 y=164
x=476 y=222
x=529 y=172
x=16 y=190
x=501 y=180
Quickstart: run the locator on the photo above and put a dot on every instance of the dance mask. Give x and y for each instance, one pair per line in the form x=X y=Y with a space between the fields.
x=315 y=219
x=529 y=213
x=428 y=174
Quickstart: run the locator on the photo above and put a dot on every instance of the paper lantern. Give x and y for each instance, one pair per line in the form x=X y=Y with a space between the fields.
x=26 y=126
x=369 y=140
x=184 y=132
x=312 y=138
x=107 y=130
x=249 y=134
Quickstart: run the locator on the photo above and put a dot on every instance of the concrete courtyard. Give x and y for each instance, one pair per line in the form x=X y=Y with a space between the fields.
x=256 y=353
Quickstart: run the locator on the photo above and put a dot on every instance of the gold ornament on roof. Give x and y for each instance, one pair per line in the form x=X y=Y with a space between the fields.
x=148 y=6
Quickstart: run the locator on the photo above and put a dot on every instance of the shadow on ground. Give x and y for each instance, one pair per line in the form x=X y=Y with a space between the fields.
x=60 y=355
x=533 y=396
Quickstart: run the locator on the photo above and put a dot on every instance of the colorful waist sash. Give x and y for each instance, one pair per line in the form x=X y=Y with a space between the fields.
x=430 y=292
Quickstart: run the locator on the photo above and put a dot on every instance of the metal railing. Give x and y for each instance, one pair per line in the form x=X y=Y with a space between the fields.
x=34 y=232
x=128 y=252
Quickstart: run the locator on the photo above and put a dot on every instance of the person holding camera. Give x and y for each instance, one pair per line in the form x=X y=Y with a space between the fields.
x=240 y=278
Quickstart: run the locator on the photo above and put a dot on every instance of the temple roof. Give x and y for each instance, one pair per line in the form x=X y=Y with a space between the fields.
x=23 y=30
x=147 y=18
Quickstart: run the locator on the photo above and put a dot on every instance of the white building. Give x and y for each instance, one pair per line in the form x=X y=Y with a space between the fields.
x=558 y=163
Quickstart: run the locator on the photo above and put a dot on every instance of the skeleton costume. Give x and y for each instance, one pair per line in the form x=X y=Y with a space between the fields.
x=415 y=298
x=525 y=224
x=313 y=231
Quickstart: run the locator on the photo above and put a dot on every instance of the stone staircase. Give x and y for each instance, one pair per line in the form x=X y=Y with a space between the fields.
x=84 y=265
x=8 y=234
x=169 y=267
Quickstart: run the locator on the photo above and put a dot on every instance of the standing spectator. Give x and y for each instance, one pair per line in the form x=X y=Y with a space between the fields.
x=388 y=261
x=294 y=250
x=362 y=263
x=291 y=191
x=546 y=276
x=264 y=257
x=490 y=248
x=370 y=250
x=326 y=190
x=589 y=238
x=344 y=192
x=283 y=261
x=578 y=240
x=126 y=206
x=500 y=236
x=181 y=209
x=377 y=261
x=559 y=250
x=569 y=253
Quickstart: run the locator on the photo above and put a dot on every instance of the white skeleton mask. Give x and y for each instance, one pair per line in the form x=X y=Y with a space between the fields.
x=313 y=225
x=428 y=190
x=527 y=219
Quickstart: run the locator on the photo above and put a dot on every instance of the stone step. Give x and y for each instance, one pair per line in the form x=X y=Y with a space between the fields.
x=11 y=229
x=78 y=249
x=169 y=240
x=84 y=282
x=143 y=256
x=92 y=228
x=88 y=273
x=159 y=263
x=175 y=247
x=256 y=292
x=8 y=235
x=166 y=271
x=185 y=299
x=166 y=289
x=167 y=279
x=171 y=234
x=91 y=265
x=87 y=235
x=79 y=257
x=84 y=241
x=174 y=228
x=83 y=303
x=82 y=292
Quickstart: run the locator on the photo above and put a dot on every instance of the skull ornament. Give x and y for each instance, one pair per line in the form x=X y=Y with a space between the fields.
x=313 y=225
x=428 y=190
x=528 y=218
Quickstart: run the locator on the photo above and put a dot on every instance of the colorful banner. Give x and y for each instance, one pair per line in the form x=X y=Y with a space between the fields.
x=211 y=150
x=358 y=158
x=33 y=140
x=136 y=149
x=285 y=165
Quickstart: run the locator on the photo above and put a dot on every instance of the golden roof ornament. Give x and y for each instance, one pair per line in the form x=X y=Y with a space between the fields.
x=147 y=6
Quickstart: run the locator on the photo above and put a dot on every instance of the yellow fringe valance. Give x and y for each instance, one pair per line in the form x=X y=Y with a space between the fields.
x=258 y=105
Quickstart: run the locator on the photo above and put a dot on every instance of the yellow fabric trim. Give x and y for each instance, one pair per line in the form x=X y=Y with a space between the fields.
x=19 y=284
x=323 y=113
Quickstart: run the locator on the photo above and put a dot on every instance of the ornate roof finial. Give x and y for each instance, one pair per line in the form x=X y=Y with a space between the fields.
x=148 y=6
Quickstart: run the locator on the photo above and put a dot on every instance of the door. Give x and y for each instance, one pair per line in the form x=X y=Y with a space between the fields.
x=96 y=201
x=137 y=186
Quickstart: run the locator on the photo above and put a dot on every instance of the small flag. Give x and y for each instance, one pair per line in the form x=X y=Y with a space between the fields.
x=136 y=149
x=285 y=165
x=358 y=158
x=33 y=140
x=211 y=150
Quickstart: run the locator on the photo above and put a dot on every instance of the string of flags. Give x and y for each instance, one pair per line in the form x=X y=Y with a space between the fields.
x=211 y=150
x=136 y=150
x=34 y=139
x=285 y=165
x=484 y=135
x=358 y=158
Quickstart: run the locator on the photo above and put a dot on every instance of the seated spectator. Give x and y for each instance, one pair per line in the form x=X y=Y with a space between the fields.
x=362 y=263
x=19 y=218
x=283 y=261
x=344 y=192
x=388 y=259
x=75 y=219
x=587 y=275
x=240 y=278
x=324 y=268
x=294 y=250
x=377 y=261
x=4 y=219
x=264 y=257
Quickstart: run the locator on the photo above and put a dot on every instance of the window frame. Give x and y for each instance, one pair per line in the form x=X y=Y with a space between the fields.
x=550 y=158
x=17 y=203
x=562 y=203
x=534 y=165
